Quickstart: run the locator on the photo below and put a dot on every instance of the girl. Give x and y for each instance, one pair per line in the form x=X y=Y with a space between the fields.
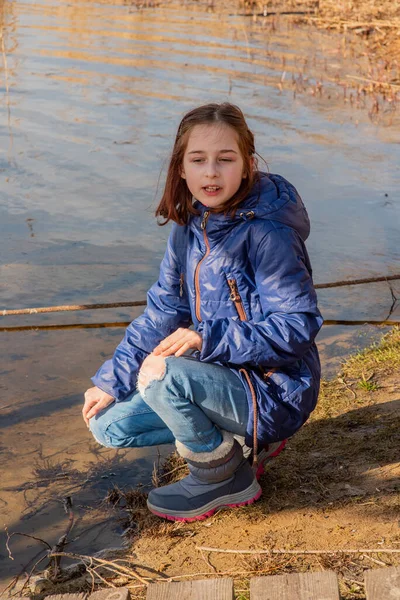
x=237 y=269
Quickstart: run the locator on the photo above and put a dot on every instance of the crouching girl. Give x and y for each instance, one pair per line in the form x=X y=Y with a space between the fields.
x=237 y=270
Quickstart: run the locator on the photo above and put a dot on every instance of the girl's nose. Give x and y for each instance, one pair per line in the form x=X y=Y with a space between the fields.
x=212 y=170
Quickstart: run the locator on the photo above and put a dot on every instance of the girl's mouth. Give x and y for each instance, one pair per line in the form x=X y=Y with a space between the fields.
x=212 y=190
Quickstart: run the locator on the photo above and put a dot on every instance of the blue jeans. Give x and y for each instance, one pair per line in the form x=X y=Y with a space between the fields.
x=192 y=402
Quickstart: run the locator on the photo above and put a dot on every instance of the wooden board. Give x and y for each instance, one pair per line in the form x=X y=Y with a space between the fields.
x=110 y=594
x=297 y=586
x=67 y=597
x=201 y=589
x=383 y=584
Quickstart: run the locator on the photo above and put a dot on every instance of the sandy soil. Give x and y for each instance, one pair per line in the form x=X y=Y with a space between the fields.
x=335 y=487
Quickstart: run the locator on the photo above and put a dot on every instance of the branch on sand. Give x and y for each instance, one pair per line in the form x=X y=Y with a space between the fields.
x=330 y=552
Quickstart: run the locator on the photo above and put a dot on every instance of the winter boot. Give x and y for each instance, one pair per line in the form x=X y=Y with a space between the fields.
x=218 y=478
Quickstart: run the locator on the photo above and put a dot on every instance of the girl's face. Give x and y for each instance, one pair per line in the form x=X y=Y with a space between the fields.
x=212 y=164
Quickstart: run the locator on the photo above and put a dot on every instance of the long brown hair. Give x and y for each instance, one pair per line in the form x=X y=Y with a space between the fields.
x=176 y=203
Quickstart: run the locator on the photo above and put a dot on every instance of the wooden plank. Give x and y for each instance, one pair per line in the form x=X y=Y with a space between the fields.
x=67 y=597
x=383 y=584
x=110 y=594
x=200 y=589
x=322 y=585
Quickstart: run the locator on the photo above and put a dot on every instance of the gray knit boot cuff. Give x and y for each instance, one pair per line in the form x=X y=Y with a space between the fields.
x=212 y=458
x=219 y=464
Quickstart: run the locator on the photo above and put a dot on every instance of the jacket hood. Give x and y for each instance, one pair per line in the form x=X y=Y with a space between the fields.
x=272 y=197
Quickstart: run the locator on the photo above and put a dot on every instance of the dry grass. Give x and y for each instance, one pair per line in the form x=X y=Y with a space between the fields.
x=383 y=357
x=360 y=10
x=132 y=503
x=378 y=23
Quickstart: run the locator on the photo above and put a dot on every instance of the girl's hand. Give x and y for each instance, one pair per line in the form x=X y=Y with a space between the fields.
x=95 y=401
x=178 y=342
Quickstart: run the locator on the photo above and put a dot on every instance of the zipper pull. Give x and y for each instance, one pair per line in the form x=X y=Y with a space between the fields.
x=204 y=221
x=181 y=282
x=234 y=290
x=267 y=376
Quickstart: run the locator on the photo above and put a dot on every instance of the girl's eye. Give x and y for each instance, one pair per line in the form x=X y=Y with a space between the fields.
x=201 y=160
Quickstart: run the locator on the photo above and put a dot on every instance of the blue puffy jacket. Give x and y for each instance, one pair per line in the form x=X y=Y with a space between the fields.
x=245 y=283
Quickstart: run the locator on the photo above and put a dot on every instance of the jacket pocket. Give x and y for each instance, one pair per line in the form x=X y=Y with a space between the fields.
x=285 y=385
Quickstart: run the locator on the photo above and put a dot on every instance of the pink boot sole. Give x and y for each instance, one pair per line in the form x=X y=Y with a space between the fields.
x=208 y=513
x=264 y=457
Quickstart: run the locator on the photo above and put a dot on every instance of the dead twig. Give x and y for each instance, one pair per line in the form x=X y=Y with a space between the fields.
x=374 y=560
x=106 y=563
x=32 y=537
x=93 y=573
x=393 y=85
x=356 y=24
x=328 y=552
x=345 y=282
x=72 y=307
x=15 y=579
x=394 y=301
x=90 y=571
x=232 y=573
x=346 y=385
x=360 y=583
x=207 y=561
x=172 y=471
x=62 y=542
x=69 y=326
x=352 y=322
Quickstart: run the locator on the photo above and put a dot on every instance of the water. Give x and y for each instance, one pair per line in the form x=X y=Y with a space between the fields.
x=96 y=91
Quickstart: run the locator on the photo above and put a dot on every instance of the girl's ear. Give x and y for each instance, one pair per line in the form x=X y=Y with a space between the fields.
x=183 y=174
x=251 y=162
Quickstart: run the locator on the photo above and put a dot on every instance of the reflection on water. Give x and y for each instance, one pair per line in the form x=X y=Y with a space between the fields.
x=91 y=96
x=52 y=455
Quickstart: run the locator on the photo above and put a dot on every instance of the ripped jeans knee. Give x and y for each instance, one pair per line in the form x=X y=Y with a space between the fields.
x=152 y=369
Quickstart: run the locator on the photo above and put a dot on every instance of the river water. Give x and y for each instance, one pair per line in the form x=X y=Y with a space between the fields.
x=91 y=95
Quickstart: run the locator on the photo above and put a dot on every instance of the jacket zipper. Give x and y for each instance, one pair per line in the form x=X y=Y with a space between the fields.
x=181 y=282
x=197 y=271
x=237 y=299
x=267 y=375
x=255 y=417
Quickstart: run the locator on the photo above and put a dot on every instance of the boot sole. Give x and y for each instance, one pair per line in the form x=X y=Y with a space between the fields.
x=264 y=461
x=247 y=496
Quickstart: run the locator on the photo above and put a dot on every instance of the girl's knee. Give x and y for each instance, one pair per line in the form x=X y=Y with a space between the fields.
x=98 y=430
x=152 y=369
